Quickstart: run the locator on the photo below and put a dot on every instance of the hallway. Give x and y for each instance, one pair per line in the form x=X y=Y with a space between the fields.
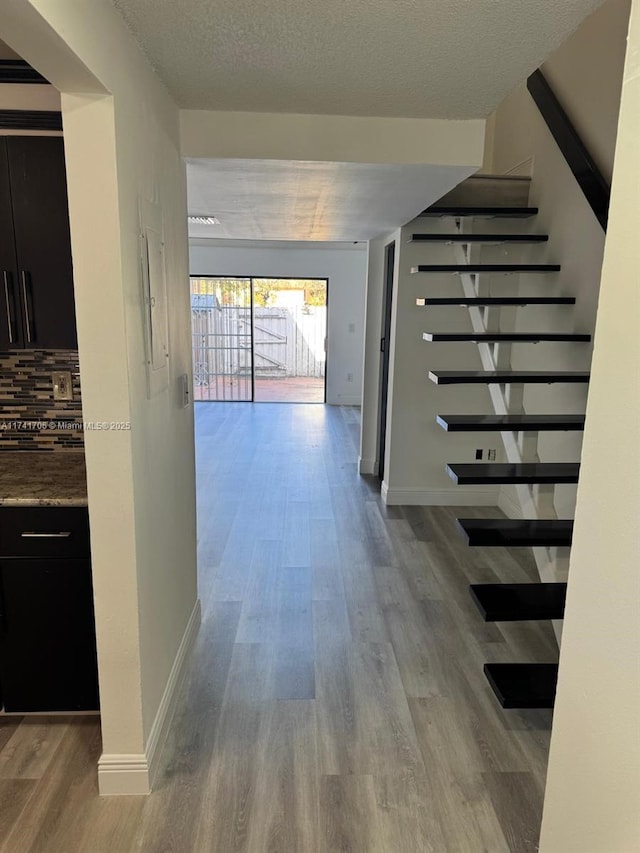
x=335 y=699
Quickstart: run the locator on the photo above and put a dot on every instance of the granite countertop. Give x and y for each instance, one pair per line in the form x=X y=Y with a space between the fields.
x=36 y=478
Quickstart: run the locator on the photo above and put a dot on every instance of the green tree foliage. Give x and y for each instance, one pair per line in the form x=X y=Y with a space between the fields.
x=233 y=291
x=264 y=292
x=315 y=292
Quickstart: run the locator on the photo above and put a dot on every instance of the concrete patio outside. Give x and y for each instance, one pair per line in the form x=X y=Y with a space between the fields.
x=293 y=389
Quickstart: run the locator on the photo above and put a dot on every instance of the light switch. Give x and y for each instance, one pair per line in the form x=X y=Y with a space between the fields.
x=62 y=385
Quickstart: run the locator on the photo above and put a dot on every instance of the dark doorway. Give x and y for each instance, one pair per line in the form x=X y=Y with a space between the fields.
x=385 y=349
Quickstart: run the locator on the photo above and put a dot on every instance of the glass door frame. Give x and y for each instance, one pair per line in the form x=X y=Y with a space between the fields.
x=251 y=279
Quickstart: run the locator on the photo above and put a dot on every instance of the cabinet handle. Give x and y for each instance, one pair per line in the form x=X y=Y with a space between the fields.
x=5 y=276
x=25 y=300
x=32 y=534
x=3 y=610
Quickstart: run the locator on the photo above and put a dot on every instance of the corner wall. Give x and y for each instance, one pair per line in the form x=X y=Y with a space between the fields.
x=593 y=781
x=122 y=147
x=346 y=270
x=586 y=73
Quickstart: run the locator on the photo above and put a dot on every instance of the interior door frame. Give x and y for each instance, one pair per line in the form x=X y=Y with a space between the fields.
x=385 y=350
x=253 y=278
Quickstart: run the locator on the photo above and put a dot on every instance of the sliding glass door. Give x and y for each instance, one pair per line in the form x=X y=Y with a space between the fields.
x=260 y=339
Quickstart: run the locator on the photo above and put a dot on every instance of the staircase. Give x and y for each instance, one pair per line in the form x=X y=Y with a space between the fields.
x=494 y=319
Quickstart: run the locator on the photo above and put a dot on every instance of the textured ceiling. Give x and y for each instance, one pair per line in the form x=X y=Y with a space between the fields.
x=421 y=58
x=286 y=200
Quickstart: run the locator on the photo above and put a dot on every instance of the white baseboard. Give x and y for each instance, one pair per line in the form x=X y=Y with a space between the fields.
x=367 y=466
x=123 y=774
x=346 y=400
x=135 y=773
x=438 y=497
x=509 y=504
x=164 y=715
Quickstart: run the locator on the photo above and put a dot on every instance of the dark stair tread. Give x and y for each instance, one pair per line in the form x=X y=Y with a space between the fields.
x=516 y=532
x=427 y=301
x=485 y=212
x=19 y=71
x=479 y=268
x=519 y=602
x=477 y=473
x=514 y=337
x=488 y=239
x=523 y=685
x=504 y=377
x=510 y=423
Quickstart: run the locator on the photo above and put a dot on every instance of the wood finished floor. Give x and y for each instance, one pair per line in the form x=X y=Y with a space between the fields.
x=335 y=699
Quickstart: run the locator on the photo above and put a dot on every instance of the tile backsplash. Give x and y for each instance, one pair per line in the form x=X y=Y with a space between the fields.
x=30 y=419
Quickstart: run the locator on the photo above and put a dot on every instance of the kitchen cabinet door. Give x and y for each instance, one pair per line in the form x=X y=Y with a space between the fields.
x=47 y=636
x=42 y=240
x=10 y=325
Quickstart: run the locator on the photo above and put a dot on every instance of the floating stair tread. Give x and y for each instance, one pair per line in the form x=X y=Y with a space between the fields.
x=479 y=473
x=516 y=533
x=510 y=423
x=519 y=602
x=480 y=301
x=523 y=685
x=504 y=377
x=488 y=239
x=513 y=337
x=483 y=212
x=486 y=268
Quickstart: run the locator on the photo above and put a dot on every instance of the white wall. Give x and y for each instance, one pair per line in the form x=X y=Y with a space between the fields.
x=593 y=782
x=417 y=449
x=333 y=138
x=122 y=145
x=346 y=270
x=586 y=72
x=28 y=96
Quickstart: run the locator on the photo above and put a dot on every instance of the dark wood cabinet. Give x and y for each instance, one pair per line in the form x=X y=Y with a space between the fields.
x=47 y=628
x=37 y=308
x=10 y=326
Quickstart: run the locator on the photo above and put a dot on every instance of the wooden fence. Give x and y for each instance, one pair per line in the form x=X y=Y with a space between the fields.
x=287 y=341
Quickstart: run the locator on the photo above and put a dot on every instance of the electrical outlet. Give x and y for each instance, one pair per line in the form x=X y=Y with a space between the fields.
x=62 y=385
x=479 y=453
x=491 y=455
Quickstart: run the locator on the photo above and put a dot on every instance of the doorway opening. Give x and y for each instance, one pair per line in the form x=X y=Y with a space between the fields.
x=259 y=339
x=385 y=349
